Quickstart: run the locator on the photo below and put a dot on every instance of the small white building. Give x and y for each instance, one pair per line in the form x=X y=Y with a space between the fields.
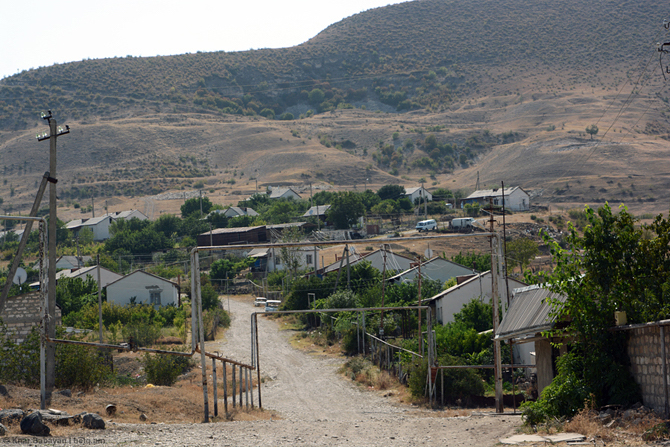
x=145 y=288
x=99 y=226
x=128 y=214
x=437 y=269
x=270 y=260
x=451 y=301
x=235 y=211
x=415 y=193
x=284 y=193
x=106 y=276
x=516 y=199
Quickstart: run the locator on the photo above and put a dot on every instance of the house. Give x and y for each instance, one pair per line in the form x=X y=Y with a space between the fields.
x=143 y=288
x=525 y=320
x=99 y=226
x=270 y=260
x=106 y=276
x=516 y=199
x=128 y=214
x=415 y=193
x=235 y=211
x=284 y=193
x=449 y=302
x=437 y=268
x=275 y=232
x=71 y=262
x=394 y=261
x=233 y=236
x=22 y=313
x=318 y=211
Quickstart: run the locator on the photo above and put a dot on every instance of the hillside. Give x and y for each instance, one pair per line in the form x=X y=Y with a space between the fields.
x=495 y=82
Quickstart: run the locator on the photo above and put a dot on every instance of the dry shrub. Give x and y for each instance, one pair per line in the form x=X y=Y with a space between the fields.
x=384 y=381
x=587 y=423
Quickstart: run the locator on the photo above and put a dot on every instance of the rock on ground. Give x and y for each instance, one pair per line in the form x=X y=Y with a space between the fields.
x=33 y=425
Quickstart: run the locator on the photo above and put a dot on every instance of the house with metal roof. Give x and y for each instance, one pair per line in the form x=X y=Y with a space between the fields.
x=377 y=259
x=233 y=236
x=437 y=268
x=418 y=192
x=99 y=226
x=449 y=302
x=143 y=288
x=128 y=214
x=235 y=211
x=516 y=199
x=284 y=193
x=526 y=318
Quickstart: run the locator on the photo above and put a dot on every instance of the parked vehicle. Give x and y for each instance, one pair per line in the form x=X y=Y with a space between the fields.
x=462 y=223
x=272 y=305
x=426 y=225
x=260 y=301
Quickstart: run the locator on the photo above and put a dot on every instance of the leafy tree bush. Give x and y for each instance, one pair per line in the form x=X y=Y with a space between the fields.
x=393 y=192
x=192 y=206
x=74 y=293
x=477 y=261
x=458 y=383
x=164 y=369
x=520 y=252
x=345 y=210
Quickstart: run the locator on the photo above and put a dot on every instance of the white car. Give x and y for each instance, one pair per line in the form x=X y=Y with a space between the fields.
x=426 y=225
x=260 y=301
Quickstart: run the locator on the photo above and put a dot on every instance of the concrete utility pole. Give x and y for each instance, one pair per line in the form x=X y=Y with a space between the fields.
x=52 y=136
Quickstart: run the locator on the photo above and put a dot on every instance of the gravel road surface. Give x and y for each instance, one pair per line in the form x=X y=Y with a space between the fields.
x=315 y=406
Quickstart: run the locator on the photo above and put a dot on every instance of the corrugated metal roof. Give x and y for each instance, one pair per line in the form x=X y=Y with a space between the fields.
x=484 y=193
x=529 y=313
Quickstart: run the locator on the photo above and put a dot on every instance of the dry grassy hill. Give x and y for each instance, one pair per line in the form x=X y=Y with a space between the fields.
x=506 y=88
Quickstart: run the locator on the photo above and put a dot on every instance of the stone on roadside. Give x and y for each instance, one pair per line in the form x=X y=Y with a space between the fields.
x=605 y=418
x=3 y=391
x=33 y=425
x=66 y=393
x=143 y=417
x=93 y=421
x=9 y=416
x=3 y=430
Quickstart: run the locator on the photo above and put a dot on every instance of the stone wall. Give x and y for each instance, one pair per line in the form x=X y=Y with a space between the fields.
x=22 y=313
x=644 y=350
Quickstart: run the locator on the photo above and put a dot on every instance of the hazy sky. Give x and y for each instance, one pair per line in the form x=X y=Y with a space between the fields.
x=37 y=33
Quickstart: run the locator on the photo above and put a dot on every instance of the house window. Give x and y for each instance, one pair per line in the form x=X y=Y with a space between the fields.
x=155 y=297
x=308 y=259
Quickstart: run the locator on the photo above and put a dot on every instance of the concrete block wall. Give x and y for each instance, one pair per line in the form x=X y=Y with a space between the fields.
x=22 y=313
x=644 y=350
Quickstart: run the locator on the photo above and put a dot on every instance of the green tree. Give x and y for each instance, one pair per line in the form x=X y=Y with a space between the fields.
x=474 y=260
x=345 y=210
x=520 y=253
x=393 y=192
x=615 y=265
x=192 y=206
x=592 y=130
x=316 y=96
x=430 y=142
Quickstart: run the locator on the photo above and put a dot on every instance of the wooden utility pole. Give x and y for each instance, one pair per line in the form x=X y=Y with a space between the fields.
x=381 y=321
x=54 y=133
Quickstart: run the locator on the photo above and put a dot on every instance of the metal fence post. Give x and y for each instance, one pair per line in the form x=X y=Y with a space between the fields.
x=225 y=388
x=216 y=399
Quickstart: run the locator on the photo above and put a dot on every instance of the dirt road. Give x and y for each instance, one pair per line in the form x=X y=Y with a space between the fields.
x=315 y=405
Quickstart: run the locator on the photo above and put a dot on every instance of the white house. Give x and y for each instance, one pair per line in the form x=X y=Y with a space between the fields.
x=516 y=199
x=414 y=193
x=270 y=260
x=436 y=268
x=128 y=214
x=145 y=288
x=235 y=211
x=99 y=226
x=451 y=301
x=106 y=276
x=393 y=261
x=284 y=193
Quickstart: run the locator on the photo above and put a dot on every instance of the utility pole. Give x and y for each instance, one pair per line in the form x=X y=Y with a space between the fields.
x=419 y=296
x=200 y=191
x=52 y=136
x=381 y=321
x=92 y=207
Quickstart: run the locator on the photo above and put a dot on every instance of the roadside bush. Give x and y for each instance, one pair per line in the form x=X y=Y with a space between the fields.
x=212 y=320
x=565 y=396
x=163 y=369
x=458 y=383
x=76 y=366
x=142 y=333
